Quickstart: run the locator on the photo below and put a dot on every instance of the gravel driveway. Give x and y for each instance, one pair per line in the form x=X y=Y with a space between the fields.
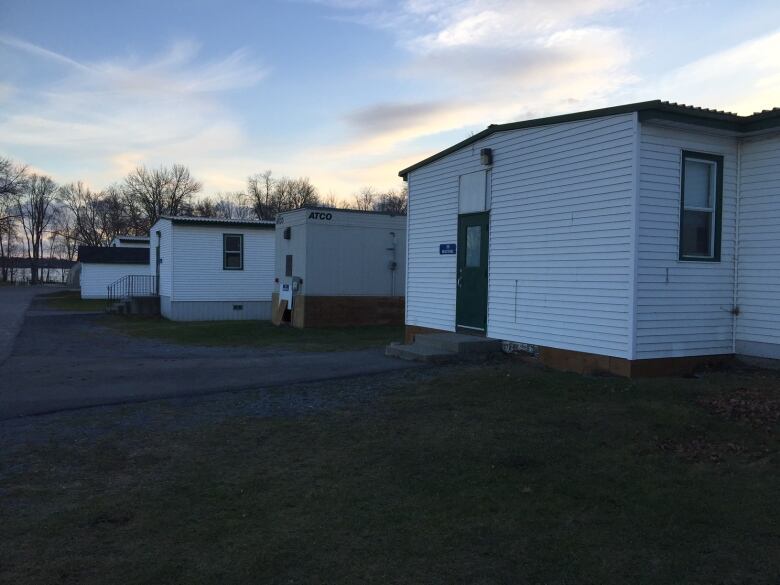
x=63 y=361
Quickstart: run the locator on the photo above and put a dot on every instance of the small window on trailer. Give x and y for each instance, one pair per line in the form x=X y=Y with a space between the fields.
x=232 y=251
x=701 y=200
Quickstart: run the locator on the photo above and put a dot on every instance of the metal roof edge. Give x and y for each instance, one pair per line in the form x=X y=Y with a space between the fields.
x=339 y=209
x=648 y=110
x=208 y=221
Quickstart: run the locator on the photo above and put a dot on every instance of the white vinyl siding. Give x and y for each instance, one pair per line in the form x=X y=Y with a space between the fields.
x=560 y=235
x=759 y=251
x=683 y=307
x=197 y=264
x=95 y=278
x=433 y=220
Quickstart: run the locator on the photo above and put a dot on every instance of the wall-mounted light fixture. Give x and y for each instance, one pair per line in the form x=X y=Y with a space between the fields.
x=486 y=156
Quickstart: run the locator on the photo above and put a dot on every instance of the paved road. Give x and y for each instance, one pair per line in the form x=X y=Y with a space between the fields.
x=66 y=361
x=14 y=301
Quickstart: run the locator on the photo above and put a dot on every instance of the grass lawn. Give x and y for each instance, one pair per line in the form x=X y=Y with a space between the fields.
x=72 y=301
x=258 y=334
x=496 y=474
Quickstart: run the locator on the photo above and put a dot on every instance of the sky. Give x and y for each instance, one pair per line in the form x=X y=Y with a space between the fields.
x=347 y=92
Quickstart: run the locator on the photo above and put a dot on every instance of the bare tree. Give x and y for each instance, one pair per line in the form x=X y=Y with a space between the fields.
x=35 y=207
x=331 y=201
x=157 y=192
x=260 y=189
x=395 y=202
x=269 y=196
x=204 y=208
x=365 y=199
x=13 y=179
x=88 y=213
x=64 y=232
x=300 y=194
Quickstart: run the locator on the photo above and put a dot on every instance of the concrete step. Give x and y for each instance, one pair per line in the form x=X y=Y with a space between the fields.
x=419 y=353
x=458 y=343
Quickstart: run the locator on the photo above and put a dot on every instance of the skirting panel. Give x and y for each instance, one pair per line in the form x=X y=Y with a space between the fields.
x=758 y=349
x=593 y=364
x=215 y=310
x=347 y=311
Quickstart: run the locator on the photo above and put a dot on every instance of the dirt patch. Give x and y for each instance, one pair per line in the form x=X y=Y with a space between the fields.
x=758 y=408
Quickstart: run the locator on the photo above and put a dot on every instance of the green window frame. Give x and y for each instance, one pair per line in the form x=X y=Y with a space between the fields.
x=232 y=251
x=692 y=212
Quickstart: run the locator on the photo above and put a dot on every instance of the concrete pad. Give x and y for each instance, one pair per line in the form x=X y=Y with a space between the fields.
x=458 y=342
x=420 y=353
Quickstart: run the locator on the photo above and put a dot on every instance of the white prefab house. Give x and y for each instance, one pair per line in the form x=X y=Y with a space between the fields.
x=636 y=239
x=212 y=269
x=101 y=267
x=340 y=267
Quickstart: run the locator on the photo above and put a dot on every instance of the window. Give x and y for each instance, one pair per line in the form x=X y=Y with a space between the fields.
x=232 y=251
x=473 y=245
x=700 y=206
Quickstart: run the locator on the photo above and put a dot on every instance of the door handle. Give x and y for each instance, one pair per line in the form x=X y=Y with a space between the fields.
x=459 y=279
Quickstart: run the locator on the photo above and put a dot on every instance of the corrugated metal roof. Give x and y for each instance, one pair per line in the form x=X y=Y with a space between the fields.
x=185 y=219
x=654 y=109
x=341 y=210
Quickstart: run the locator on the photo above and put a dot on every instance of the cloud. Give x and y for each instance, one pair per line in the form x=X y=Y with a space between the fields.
x=489 y=61
x=390 y=115
x=744 y=78
x=40 y=52
x=108 y=116
x=498 y=23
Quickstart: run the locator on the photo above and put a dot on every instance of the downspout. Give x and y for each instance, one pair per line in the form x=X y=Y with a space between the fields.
x=734 y=305
x=393 y=265
x=634 y=255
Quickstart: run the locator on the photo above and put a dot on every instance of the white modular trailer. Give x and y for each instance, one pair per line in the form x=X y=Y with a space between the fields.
x=341 y=266
x=100 y=267
x=212 y=269
x=576 y=236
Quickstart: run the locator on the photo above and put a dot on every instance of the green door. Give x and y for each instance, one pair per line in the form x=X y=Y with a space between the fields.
x=472 y=283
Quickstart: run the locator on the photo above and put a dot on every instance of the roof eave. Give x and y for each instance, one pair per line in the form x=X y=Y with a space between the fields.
x=648 y=111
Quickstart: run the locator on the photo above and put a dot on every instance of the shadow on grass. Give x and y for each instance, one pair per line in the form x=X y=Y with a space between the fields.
x=495 y=474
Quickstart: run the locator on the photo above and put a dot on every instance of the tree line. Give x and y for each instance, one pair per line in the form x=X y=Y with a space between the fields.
x=41 y=219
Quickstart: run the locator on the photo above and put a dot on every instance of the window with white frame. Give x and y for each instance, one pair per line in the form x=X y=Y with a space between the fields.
x=700 y=206
x=232 y=251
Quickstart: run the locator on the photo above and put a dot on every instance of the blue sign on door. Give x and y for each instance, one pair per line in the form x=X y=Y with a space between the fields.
x=447 y=249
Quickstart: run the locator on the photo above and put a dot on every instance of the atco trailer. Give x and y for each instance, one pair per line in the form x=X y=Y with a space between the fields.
x=338 y=267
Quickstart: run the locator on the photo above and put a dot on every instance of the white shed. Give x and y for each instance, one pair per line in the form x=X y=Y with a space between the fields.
x=637 y=239
x=101 y=267
x=213 y=269
x=340 y=267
